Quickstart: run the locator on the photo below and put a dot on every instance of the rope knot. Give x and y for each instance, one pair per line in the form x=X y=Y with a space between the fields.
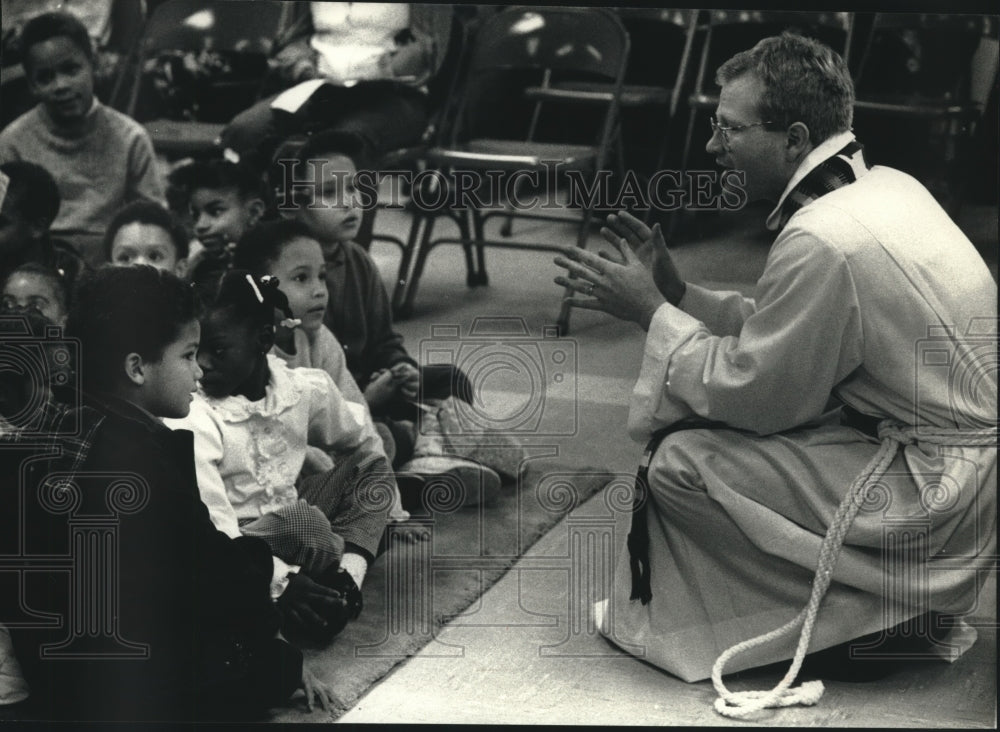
x=900 y=433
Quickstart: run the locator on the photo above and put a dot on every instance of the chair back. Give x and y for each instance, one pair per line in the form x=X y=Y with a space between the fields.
x=586 y=40
x=920 y=54
x=519 y=46
x=227 y=41
x=248 y=26
x=730 y=31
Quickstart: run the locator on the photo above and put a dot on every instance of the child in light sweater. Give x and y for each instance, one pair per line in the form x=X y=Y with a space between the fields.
x=100 y=158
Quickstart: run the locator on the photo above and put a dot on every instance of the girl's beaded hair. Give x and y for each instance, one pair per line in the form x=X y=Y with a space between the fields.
x=248 y=298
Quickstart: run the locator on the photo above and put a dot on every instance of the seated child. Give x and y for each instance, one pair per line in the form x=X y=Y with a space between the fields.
x=29 y=202
x=100 y=158
x=33 y=286
x=37 y=294
x=191 y=619
x=253 y=419
x=362 y=318
x=287 y=250
x=143 y=232
x=224 y=199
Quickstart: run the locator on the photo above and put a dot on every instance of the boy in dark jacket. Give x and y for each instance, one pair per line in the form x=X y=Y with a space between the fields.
x=142 y=610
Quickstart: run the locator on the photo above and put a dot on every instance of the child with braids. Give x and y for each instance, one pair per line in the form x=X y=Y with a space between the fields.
x=286 y=249
x=253 y=419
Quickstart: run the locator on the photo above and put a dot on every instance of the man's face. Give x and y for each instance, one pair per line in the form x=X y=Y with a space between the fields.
x=757 y=149
x=62 y=78
x=221 y=216
x=336 y=215
x=169 y=382
x=301 y=273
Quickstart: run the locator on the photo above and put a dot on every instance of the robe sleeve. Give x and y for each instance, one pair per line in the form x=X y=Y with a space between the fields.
x=723 y=313
x=778 y=372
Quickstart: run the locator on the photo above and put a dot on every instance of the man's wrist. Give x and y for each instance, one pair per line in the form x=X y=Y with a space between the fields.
x=647 y=316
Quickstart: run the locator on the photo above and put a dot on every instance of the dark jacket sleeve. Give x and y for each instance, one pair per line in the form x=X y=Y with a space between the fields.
x=384 y=347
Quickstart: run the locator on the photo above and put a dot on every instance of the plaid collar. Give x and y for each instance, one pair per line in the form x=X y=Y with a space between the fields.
x=830 y=166
x=67 y=432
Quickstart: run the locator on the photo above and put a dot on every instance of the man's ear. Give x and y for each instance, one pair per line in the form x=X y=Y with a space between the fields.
x=135 y=369
x=265 y=338
x=798 y=142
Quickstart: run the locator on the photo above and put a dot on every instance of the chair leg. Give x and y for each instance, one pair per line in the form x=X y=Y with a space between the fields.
x=477 y=227
x=465 y=231
x=418 y=267
x=405 y=282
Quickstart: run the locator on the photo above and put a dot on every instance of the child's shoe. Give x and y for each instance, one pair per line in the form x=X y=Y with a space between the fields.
x=473 y=482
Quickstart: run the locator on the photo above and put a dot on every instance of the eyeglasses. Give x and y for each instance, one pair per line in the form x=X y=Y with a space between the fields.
x=725 y=130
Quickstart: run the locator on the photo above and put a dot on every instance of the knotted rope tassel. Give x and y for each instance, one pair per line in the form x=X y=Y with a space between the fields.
x=738 y=704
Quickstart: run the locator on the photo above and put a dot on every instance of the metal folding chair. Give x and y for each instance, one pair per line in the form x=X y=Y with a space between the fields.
x=244 y=26
x=674 y=28
x=589 y=42
x=932 y=92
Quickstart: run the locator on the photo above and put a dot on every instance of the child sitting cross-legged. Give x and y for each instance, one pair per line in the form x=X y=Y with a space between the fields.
x=318 y=190
x=287 y=250
x=253 y=419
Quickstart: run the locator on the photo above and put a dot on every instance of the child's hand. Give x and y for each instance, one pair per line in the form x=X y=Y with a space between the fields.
x=308 y=606
x=407 y=378
x=322 y=691
x=380 y=389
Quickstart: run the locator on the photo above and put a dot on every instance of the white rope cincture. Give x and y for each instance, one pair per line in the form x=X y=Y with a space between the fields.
x=738 y=704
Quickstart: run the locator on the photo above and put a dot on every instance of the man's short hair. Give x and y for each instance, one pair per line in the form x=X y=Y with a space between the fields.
x=804 y=81
x=121 y=310
x=46 y=26
x=31 y=192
